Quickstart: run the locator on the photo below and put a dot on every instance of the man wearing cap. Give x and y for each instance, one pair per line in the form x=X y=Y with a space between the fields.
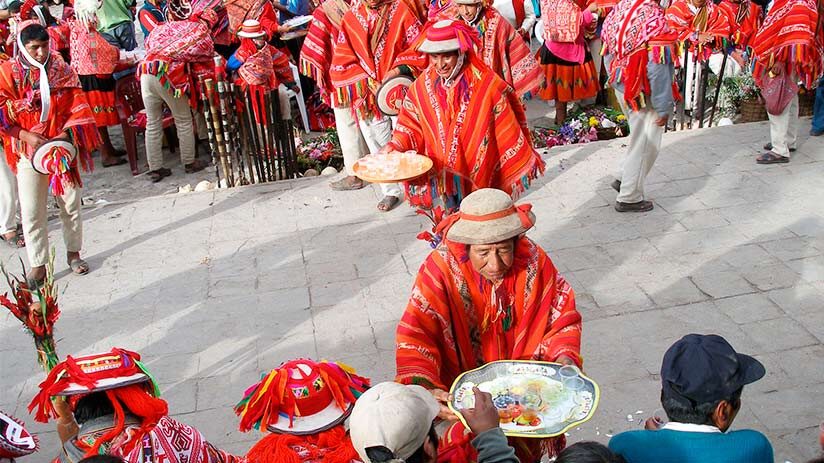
x=486 y=293
x=501 y=47
x=702 y=378
x=467 y=120
x=373 y=35
x=394 y=423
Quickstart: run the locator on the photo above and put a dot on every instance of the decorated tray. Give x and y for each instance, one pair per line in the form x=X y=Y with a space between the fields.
x=534 y=399
x=392 y=167
x=391 y=94
x=298 y=21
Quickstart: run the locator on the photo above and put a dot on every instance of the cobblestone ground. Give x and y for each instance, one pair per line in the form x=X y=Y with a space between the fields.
x=214 y=288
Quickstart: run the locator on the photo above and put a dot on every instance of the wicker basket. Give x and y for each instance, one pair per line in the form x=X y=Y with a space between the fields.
x=806 y=101
x=753 y=111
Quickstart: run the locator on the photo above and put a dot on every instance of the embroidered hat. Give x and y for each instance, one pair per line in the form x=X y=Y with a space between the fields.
x=251 y=29
x=393 y=416
x=83 y=375
x=391 y=94
x=487 y=216
x=53 y=157
x=468 y=2
x=301 y=397
x=448 y=35
x=15 y=441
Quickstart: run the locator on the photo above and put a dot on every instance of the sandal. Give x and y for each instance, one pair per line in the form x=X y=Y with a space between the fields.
x=17 y=241
x=348 y=183
x=159 y=174
x=79 y=266
x=388 y=203
x=196 y=166
x=117 y=162
x=771 y=158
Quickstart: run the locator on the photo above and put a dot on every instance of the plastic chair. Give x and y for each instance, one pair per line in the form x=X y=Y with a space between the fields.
x=299 y=98
x=132 y=113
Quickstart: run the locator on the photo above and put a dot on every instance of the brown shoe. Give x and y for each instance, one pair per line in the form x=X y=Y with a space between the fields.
x=196 y=166
x=348 y=183
x=640 y=206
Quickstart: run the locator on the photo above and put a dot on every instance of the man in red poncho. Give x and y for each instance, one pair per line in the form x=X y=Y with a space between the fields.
x=485 y=293
x=41 y=100
x=788 y=47
x=467 y=120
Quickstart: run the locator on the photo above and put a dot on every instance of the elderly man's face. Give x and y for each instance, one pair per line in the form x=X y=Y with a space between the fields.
x=468 y=13
x=444 y=63
x=492 y=260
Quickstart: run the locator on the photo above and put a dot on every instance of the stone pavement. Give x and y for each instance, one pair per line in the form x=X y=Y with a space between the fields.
x=214 y=288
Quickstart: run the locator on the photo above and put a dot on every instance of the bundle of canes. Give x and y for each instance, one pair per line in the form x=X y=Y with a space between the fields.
x=285 y=138
x=259 y=108
x=223 y=155
x=240 y=131
x=252 y=133
x=229 y=136
x=210 y=131
x=37 y=309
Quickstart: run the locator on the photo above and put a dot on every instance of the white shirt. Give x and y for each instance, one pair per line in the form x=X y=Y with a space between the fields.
x=506 y=10
x=689 y=427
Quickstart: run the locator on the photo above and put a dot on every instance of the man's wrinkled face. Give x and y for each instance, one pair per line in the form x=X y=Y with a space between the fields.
x=468 y=13
x=492 y=261
x=38 y=49
x=444 y=63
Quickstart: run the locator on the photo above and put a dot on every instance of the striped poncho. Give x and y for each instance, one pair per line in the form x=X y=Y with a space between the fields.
x=474 y=131
x=318 y=48
x=451 y=324
x=791 y=35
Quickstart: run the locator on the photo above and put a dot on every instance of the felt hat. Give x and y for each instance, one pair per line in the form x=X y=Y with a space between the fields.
x=468 y=2
x=448 y=35
x=251 y=29
x=301 y=397
x=394 y=416
x=487 y=216
x=391 y=94
x=53 y=157
x=15 y=440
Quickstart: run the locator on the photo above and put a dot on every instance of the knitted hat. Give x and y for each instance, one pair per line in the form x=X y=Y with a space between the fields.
x=449 y=35
x=251 y=29
x=487 y=216
x=15 y=441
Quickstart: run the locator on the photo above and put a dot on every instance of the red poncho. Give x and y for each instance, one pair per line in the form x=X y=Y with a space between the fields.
x=788 y=36
x=368 y=47
x=267 y=67
x=69 y=113
x=474 y=131
x=744 y=17
x=453 y=323
x=687 y=24
x=317 y=51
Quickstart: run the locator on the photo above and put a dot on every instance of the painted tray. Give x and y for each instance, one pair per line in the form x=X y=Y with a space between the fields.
x=533 y=399
x=392 y=167
x=298 y=21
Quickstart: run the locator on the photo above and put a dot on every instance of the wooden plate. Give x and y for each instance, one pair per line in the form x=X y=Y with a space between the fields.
x=392 y=167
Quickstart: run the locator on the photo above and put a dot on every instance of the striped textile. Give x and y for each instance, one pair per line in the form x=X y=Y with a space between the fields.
x=475 y=133
x=267 y=67
x=368 y=47
x=506 y=53
x=788 y=36
x=318 y=46
x=744 y=17
x=707 y=19
x=451 y=326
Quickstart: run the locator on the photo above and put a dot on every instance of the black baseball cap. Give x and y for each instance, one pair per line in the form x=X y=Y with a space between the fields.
x=704 y=368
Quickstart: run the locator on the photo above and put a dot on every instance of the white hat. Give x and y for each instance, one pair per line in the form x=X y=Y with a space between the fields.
x=394 y=416
x=251 y=29
x=490 y=216
x=467 y=2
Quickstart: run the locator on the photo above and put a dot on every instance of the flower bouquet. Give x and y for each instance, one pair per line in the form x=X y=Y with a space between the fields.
x=319 y=152
x=583 y=126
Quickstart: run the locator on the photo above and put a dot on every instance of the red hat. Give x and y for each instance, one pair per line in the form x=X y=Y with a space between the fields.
x=449 y=35
x=301 y=397
x=15 y=441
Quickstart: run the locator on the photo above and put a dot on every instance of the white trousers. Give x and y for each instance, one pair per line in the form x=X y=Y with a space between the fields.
x=377 y=133
x=784 y=129
x=644 y=144
x=9 y=215
x=154 y=95
x=34 y=195
x=352 y=144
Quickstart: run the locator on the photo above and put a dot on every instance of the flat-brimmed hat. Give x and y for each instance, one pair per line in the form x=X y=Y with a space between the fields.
x=448 y=35
x=467 y=2
x=301 y=397
x=53 y=157
x=489 y=216
x=251 y=29
x=393 y=416
x=15 y=440
x=705 y=368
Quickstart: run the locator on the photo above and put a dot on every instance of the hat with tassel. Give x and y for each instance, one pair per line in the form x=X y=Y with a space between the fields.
x=15 y=441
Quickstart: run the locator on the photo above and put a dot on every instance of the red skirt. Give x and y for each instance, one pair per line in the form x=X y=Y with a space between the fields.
x=566 y=81
x=100 y=94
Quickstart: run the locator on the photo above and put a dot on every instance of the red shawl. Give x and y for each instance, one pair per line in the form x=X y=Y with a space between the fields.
x=475 y=133
x=687 y=25
x=788 y=36
x=562 y=21
x=634 y=31
x=316 y=54
x=171 y=47
x=70 y=114
x=506 y=53
x=368 y=47
x=450 y=326
x=267 y=67
x=91 y=53
x=744 y=17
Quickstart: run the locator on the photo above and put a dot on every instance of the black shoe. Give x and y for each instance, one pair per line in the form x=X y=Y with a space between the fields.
x=159 y=174
x=640 y=206
x=768 y=147
x=616 y=185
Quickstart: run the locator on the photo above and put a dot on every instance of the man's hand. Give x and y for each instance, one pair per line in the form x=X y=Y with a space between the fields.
x=704 y=38
x=777 y=69
x=662 y=121
x=32 y=139
x=565 y=360
x=443 y=398
x=392 y=73
x=593 y=7
x=484 y=416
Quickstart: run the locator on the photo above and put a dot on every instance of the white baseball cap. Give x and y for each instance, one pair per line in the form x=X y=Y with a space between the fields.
x=394 y=416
